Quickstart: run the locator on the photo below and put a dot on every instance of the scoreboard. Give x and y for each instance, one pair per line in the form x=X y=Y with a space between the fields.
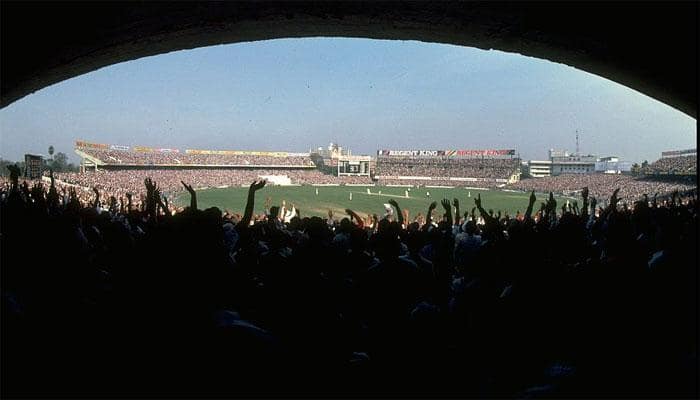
x=33 y=166
x=353 y=165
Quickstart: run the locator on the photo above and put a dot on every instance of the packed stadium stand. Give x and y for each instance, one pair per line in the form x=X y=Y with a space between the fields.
x=194 y=158
x=484 y=168
x=632 y=188
x=117 y=170
x=682 y=165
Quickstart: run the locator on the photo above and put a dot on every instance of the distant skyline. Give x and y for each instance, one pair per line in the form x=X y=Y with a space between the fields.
x=297 y=94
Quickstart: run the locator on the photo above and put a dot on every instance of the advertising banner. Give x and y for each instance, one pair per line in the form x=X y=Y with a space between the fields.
x=419 y=153
x=463 y=153
x=448 y=153
x=242 y=153
x=88 y=145
x=118 y=147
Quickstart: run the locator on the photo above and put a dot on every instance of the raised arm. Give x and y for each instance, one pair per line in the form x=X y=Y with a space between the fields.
x=448 y=210
x=96 y=203
x=455 y=202
x=151 y=202
x=53 y=193
x=530 y=204
x=399 y=214
x=429 y=214
x=163 y=203
x=255 y=186
x=584 y=206
x=193 y=195
x=357 y=218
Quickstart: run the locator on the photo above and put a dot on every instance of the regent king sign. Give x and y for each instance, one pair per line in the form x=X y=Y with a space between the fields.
x=411 y=152
x=448 y=153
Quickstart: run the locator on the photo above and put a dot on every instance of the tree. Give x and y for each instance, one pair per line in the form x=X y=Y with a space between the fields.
x=635 y=168
x=60 y=163
x=4 y=171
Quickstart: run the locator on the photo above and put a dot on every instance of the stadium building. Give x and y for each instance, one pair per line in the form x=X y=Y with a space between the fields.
x=561 y=162
x=341 y=162
x=612 y=165
x=539 y=169
x=565 y=163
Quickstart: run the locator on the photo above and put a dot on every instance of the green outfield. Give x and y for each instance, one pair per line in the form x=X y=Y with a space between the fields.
x=337 y=198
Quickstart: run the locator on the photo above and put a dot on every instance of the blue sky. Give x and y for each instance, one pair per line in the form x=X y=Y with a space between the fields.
x=297 y=94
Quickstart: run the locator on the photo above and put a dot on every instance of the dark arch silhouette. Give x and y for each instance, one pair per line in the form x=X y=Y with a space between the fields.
x=650 y=47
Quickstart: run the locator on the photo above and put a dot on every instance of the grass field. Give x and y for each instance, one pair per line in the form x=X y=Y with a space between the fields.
x=337 y=198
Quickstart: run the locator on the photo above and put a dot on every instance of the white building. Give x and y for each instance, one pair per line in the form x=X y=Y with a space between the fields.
x=564 y=162
x=612 y=165
x=539 y=169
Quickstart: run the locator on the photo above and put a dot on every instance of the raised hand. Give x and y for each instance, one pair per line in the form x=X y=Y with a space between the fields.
x=614 y=199
x=399 y=214
x=552 y=202
x=455 y=202
x=429 y=214
x=354 y=215
x=448 y=210
x=97 y=197
x=477 y=201
x=187 y=187
x=531 y=202
x=250 y=204
x=257 y=185
x=73 y=203
x=193 y=195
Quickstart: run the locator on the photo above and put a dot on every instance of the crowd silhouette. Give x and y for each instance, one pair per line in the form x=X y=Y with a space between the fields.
x=559 y=301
